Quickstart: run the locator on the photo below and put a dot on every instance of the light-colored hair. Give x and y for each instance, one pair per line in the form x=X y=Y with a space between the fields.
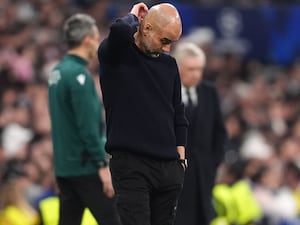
x=12 y=195
x=76 y=28
x=188 y=49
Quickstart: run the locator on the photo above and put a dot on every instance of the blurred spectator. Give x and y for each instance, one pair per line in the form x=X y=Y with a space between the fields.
x=235 y=131
x=234 y=200
x=14 y=207
x=255 y=146
x=16 y=118
x=277 y=202
x=292 y=180
x=289 y=150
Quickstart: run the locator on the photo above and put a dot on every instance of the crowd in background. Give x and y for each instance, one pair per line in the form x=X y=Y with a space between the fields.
x=260 y=104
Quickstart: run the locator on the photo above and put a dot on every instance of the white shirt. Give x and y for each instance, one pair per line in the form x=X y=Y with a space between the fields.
x=193 y=94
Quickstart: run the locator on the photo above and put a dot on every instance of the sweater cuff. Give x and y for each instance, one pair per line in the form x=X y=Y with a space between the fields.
x=181 y=136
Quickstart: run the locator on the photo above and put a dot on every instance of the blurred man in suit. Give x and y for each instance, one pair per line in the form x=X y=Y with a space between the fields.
x=206 y=136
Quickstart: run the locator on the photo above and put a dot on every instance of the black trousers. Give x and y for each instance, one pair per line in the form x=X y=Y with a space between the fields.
x=77 y=193
x=147 y=189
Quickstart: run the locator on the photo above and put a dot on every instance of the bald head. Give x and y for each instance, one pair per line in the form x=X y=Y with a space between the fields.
x=163 y=15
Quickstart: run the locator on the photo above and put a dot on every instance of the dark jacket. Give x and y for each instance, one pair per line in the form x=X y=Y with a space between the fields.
x=75 y=111
x=205 y=151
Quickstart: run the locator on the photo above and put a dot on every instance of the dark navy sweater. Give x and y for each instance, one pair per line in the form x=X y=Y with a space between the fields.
x=141 y=95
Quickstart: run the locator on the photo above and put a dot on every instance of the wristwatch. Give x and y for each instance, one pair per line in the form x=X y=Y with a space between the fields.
x=184 y=163
x=103 y=163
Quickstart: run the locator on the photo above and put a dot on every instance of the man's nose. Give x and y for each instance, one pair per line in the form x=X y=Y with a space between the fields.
x=166 y=48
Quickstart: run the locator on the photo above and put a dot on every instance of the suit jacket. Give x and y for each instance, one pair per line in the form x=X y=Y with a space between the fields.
x=204 y=151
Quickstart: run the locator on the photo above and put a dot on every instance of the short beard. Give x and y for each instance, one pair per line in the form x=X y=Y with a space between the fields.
x=153 y=54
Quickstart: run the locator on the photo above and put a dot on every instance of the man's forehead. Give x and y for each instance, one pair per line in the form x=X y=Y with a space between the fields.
x=170 y=34
x=192 y=60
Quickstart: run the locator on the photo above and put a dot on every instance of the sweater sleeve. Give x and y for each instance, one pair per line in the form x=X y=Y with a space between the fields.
x=122 y=31
x=120 y=37
x=86 y=109
x=180 y=120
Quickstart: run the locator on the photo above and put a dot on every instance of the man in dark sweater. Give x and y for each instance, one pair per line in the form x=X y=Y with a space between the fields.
x=80 y=160
x=146 y=125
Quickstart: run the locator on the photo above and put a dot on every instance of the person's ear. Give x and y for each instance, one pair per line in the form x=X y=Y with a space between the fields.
x=85 y=40
x=147 y=28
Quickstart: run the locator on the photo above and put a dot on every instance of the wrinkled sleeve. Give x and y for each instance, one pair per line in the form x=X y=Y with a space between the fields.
x=87 y=115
